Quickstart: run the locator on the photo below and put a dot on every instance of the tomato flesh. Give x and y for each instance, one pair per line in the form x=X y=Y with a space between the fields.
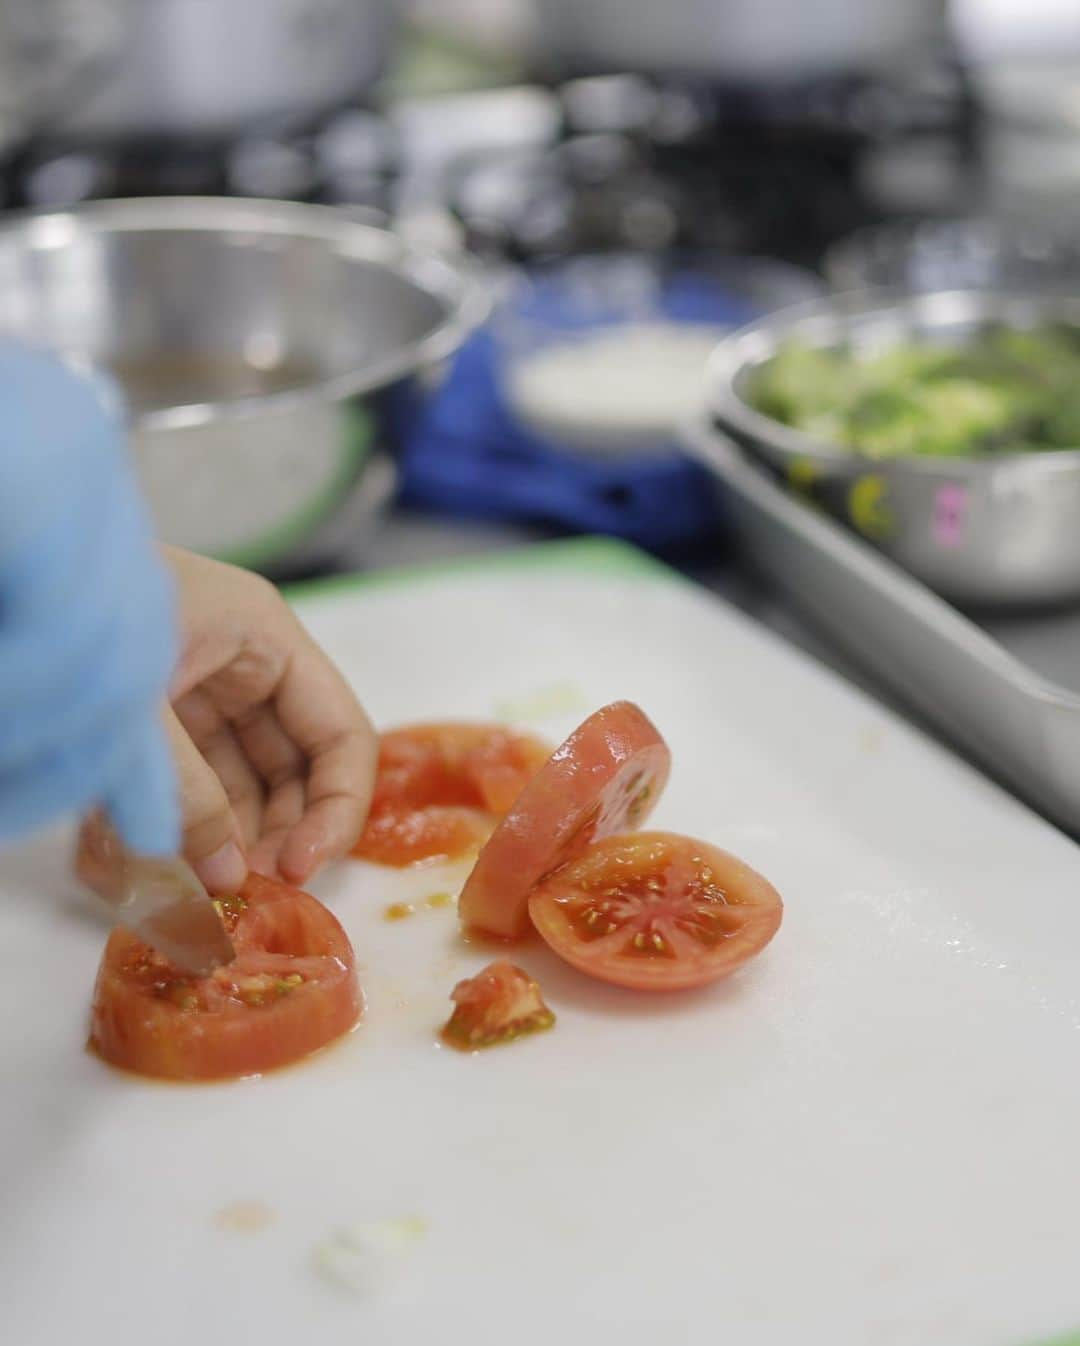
x=605 y=777
x=291 y=989
x=435 y=832
x=441 y=788
x=656 y=911
x=499 y=1004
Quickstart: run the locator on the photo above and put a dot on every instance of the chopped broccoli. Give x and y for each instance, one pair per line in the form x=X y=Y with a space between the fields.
x=1061 y=424
x=800 y=382
x=1008 y=390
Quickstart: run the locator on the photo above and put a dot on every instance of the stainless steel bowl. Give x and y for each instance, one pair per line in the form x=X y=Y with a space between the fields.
x=988 y=530
x=259 y=345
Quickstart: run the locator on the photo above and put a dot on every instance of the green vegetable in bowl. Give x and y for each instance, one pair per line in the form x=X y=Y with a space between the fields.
x=802 y=381
x=940 y=419
x=1008 y=390
x=1061 y=422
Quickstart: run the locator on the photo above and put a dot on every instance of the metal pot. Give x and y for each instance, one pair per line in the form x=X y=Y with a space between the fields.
x=998 y=529
x=52 y=52
x=212 y=67
x=259 y=344
x=1031 y=135
x=738 y=40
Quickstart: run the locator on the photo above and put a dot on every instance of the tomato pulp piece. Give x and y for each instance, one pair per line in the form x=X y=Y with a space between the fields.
x=290 y=990
x=606 y=777
x=656 y=911
x=441 y=788
x=501 y=1003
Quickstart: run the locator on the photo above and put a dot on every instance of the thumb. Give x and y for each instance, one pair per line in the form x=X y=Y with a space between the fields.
x=211 y=837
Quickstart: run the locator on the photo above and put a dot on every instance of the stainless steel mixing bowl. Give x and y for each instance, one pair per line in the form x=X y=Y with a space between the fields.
x=983 y=530
x=261 y=346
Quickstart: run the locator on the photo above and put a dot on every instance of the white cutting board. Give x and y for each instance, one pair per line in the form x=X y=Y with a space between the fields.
x=869 y=1137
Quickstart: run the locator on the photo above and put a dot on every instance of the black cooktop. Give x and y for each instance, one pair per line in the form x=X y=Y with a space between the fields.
x=636 y=163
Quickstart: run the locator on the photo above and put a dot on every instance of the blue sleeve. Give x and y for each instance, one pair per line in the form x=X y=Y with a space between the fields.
x=87 y=626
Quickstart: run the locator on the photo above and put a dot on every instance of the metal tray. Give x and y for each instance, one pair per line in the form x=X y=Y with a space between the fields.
x=1004 y=688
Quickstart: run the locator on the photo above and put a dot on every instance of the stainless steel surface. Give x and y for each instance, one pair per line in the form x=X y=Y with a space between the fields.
x=247 y=336
x=1000 y=530
x=1019 y=724
x=739 y=39
x=52 y=53
x=189 y=67
x=1031 y=133
x=1037 y=91
x=973 y=253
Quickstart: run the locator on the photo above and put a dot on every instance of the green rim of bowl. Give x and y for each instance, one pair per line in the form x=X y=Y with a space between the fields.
x=273 y=545
x=585 y=555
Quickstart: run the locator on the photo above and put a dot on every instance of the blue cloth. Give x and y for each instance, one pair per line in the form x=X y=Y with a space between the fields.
x=87 y=622
x=465 y=453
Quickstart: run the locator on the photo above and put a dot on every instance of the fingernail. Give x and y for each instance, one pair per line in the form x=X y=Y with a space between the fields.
x=224 y=870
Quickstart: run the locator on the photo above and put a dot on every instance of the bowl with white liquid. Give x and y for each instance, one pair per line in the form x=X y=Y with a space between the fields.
x=605 y=354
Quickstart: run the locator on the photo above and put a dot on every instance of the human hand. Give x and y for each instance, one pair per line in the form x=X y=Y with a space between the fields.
x=87 y=637
x=275 y=755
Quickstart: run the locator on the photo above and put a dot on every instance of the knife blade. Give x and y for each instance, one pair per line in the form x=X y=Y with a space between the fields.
x=164 y=903
x=160 y=899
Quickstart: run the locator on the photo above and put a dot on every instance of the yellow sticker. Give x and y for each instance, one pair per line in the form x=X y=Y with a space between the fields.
x=869 y=508
x=802 y=475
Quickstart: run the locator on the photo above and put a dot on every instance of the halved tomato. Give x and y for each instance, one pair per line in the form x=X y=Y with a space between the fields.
x=606 y=777
x=291 y=989
x=499 y=1004
x=656 y=911
x=441 y=788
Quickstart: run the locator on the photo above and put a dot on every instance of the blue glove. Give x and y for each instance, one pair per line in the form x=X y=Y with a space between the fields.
x=87 y=634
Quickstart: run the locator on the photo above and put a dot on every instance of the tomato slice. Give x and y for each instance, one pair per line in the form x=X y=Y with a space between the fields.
x=435 y=832
x=500 y=1003
x=656 y=912
x=606 y=777
x=441 y=788
x=291 y=989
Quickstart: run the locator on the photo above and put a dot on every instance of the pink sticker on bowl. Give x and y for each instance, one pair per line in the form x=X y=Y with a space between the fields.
x=950 y=514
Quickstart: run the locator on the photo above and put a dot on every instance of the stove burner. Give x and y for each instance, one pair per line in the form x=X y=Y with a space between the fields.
x=347 y=157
